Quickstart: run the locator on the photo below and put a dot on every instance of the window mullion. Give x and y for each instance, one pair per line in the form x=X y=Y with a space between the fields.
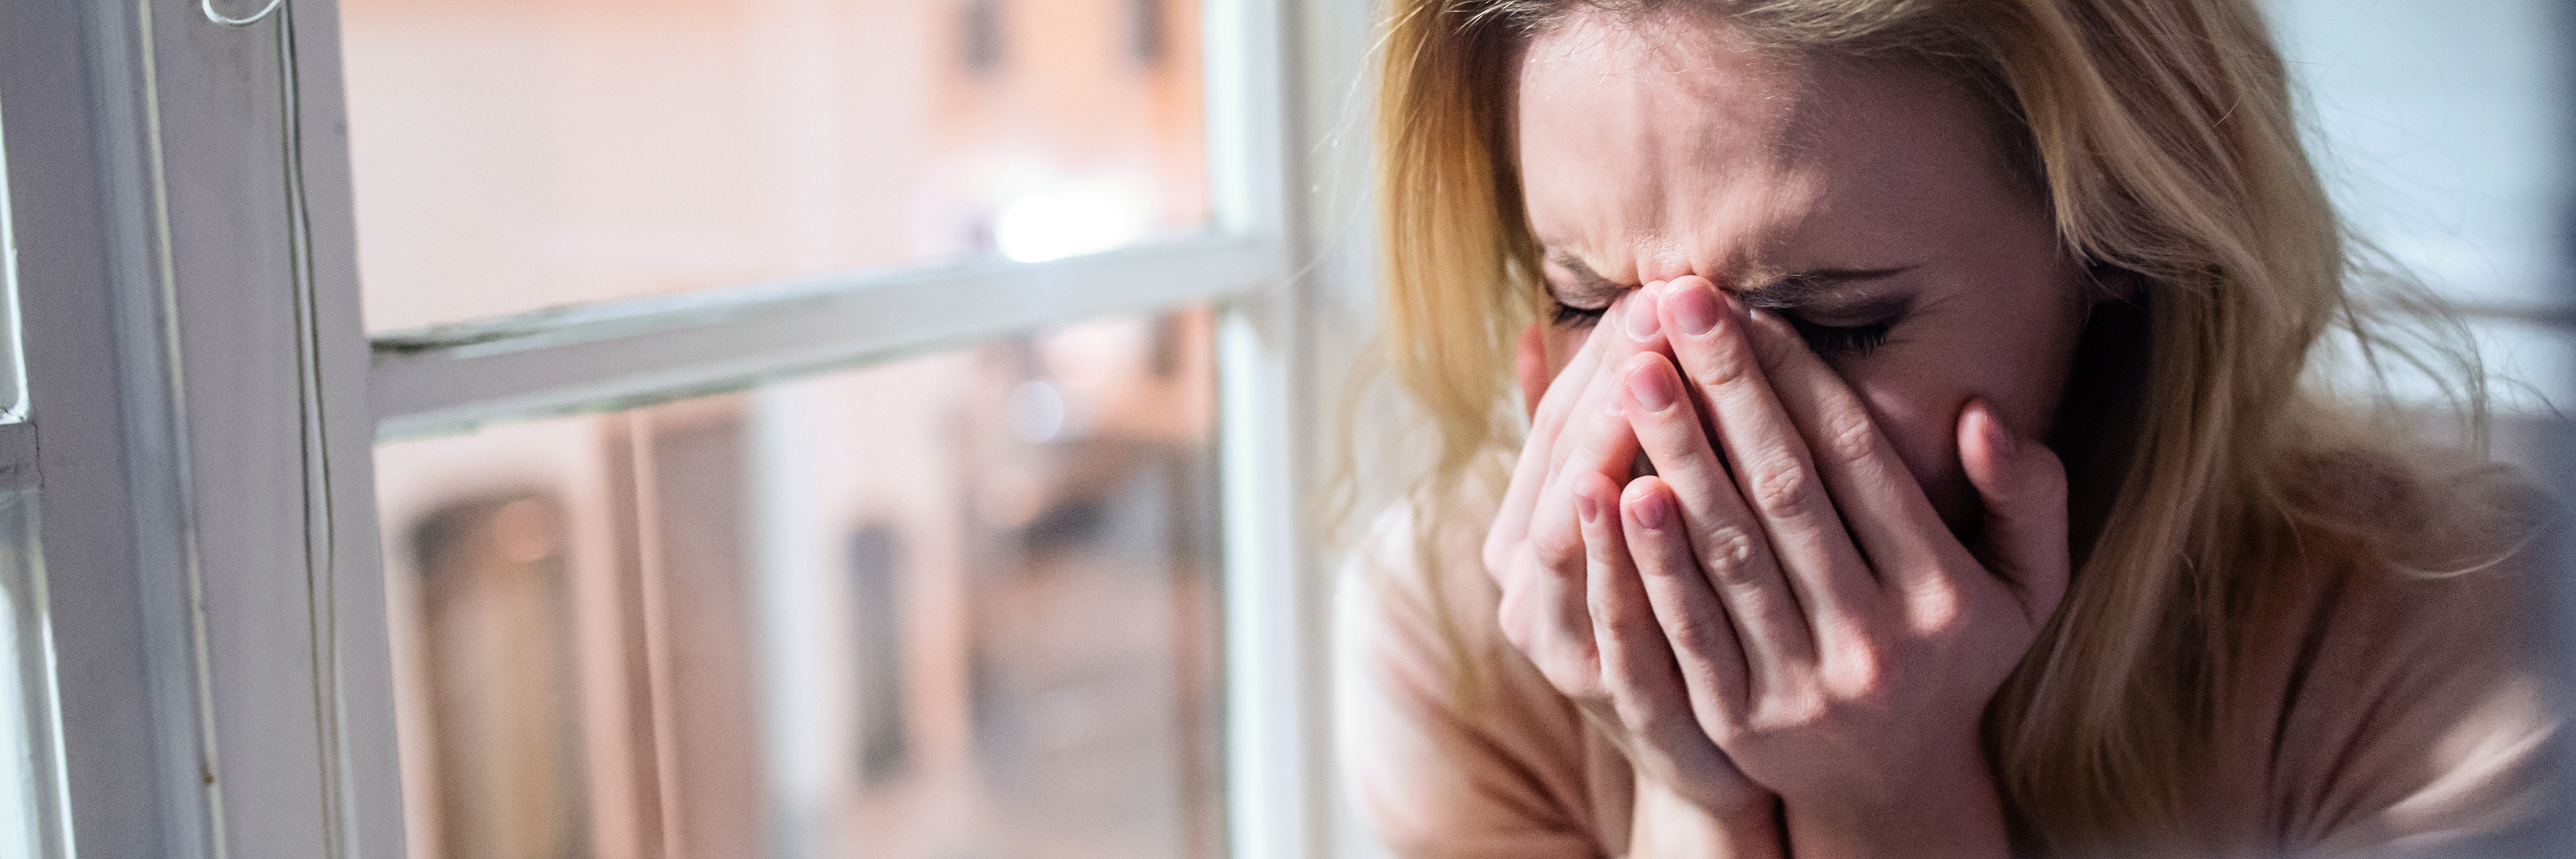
x=618 y=356
x=202 y=437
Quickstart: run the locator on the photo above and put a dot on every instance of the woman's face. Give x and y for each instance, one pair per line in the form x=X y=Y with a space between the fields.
x=1869 y=203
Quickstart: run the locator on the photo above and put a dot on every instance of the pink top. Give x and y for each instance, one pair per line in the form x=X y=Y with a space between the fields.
x=2381 y=713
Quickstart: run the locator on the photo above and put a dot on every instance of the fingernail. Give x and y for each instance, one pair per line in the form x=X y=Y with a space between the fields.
x=1696 y=310
x=1589 y=508
x=1652 y=510
x=1653 y=390
x=1641 y=316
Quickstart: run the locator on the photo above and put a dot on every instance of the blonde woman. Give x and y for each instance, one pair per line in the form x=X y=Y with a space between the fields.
x=1917 y=459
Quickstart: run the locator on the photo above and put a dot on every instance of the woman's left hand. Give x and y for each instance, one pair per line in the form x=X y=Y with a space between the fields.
x=1835 y=639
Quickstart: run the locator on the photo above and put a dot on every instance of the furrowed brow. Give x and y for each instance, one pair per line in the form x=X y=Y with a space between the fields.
x=1800 y=289
x=1589 y=288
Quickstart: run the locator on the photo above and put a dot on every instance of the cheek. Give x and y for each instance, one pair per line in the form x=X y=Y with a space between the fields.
x=1916 y=400
x=1562 y=342
x=1918 y=413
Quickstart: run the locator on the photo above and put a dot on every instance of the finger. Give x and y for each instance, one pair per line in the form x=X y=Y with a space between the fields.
x=1530 y=473
x=1773 y=470
x=1601 y=447
x=1633 y=325
x=1584 y=397
x=1726 y=548
x=1637 y=670
x=1600 y=444
x=1544 y=617
x=1882 y=505
x=1708 y=651
x=2023 y=486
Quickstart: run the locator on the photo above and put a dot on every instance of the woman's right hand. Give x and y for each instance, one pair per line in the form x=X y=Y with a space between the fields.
x=1572 y=601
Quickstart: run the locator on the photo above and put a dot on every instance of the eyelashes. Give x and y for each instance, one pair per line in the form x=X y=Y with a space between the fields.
x=1830 y=341
x=1580 y=317
x=1836 y=341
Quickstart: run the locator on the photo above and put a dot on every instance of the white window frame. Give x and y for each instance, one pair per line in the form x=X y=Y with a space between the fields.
x=205 y=404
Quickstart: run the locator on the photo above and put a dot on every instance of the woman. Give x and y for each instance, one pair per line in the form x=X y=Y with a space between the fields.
x=1918 y=461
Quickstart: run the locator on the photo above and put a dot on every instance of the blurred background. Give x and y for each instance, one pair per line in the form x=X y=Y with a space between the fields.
x=966 y=604
x=2442 y=131
x=955 y=605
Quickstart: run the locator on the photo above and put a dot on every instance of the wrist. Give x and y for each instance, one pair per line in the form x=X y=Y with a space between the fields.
x=1666 y=823
x=1952 y=812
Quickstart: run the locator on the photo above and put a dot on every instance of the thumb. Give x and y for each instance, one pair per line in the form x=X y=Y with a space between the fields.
x=1529 y=362
x=2023 y=487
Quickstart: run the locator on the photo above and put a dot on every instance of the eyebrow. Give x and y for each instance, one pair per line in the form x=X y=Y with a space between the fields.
x=1588 y=284
x=1770 y=292
x=1804 y=288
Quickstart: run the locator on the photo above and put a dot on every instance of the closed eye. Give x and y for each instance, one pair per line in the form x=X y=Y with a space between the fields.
x=1564 y=314
x=1834 y=341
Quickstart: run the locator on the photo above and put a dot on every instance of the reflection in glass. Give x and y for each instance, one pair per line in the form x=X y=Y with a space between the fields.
x=520 y=155
x=958 y=605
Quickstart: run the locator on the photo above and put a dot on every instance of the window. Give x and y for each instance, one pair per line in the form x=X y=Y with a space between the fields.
x=2438 y=131
x=592 y=151
x=31 y=822
x=279 y=233
x=276 y=550
x=964 y=603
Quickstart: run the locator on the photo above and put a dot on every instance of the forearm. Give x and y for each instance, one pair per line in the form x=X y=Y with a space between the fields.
x=1667 y=826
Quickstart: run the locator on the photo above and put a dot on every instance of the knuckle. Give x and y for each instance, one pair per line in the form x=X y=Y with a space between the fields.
x=1549 y=420
x=1729 y=555
x=1721 y=365
x=1644 y=718
x=1599 y=438
x=1861 y=675
x=1608 y=612
x=1558 y=550
x=1807 y=707
x=1717 y=727
x=1936 y=610
x=1695 y=634
x=1850 y=434
x=1780 y=486
x=1767 y=723
x=1731 y=734
x=1508 y=617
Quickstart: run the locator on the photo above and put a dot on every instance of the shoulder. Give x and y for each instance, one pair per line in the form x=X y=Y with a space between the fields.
x=2431 y=511
x=2389 y=663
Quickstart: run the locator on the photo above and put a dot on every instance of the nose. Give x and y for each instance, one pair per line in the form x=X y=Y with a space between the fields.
x=1658 y=267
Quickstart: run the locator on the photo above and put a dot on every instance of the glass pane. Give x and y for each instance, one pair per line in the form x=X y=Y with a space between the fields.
x=514 y=156
x=2439 y=132
x=29 y=787
x=959 y=605
x=30 y=795
x=13 y=362
x=2442 y=126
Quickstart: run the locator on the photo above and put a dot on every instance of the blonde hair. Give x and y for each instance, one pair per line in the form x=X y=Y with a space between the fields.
x=2165 y=136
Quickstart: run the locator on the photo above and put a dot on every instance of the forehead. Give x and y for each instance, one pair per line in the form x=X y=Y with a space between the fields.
x=1672 y=145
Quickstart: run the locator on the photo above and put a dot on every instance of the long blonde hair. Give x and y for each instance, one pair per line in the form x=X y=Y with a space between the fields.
x=2165 y=135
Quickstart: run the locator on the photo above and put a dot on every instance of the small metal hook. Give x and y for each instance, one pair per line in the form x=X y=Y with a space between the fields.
x=255 y=17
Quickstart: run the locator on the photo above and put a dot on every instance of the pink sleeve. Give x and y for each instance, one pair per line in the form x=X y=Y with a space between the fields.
x=1451 y=742
x=2415 y=719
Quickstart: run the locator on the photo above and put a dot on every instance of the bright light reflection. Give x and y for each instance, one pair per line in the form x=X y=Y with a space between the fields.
x=1072 y=220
